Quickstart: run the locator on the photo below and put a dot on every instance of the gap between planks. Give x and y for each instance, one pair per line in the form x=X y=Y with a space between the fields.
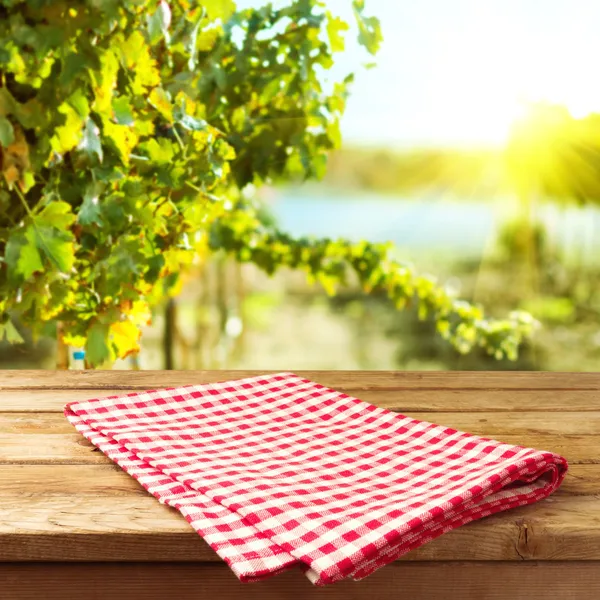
x=416 y=400
x=74 y=449
x=108 y=479
x=361 y=380
x=139 y=528
x=485 y=424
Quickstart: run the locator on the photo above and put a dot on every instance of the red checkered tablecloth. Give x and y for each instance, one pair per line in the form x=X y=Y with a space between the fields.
x=278 y=471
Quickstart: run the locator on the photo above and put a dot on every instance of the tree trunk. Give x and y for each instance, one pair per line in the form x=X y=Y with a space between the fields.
x=239 y=347
x=169 y=334
x=202 y=321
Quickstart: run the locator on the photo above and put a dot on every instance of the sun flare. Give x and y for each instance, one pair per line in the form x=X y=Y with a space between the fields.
x=492 y=75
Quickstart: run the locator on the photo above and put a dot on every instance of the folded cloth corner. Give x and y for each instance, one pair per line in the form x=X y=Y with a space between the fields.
x=276 y=471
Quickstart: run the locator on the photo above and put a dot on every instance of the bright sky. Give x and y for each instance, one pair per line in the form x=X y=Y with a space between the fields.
x=455 y=71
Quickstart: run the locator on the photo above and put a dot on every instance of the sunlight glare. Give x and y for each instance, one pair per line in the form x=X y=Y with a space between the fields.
x=493 y=72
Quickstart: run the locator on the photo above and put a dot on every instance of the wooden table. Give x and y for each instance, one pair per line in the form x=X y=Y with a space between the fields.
x=73 y=525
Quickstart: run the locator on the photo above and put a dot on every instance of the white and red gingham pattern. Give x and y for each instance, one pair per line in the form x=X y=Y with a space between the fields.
x=276 y=470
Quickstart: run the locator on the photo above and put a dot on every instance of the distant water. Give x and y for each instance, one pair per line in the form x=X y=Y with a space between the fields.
x=458 y=227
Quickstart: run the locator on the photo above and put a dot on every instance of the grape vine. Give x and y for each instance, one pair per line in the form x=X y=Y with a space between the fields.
x=128 y=130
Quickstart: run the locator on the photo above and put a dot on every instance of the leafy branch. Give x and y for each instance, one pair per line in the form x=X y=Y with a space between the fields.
x=331 y=262
x=132 y=126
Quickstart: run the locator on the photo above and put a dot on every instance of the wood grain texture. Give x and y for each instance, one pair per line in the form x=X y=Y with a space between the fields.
x=47 y=438
x=62 y=500
x=48 y=449
x=425 y=581
x=56 y=449
x=486 y=424
x=400 y=400
x=119 y=527
x=107 y=479
x=343 y=380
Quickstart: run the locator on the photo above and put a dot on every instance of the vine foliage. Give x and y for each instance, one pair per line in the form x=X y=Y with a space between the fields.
x=129 y=131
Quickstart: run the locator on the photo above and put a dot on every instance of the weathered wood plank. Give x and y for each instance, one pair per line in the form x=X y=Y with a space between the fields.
x=48 y=449
x=39 y=438
x=417 y=581
x=357 y=380
x=63 y=448
x=96 y=480
x=401 y=400
x=110 y=480
x=136 y=527
x=484 y=423
x=61 y=500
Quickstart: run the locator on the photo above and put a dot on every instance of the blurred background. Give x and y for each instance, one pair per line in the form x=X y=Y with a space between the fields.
x=473 y=146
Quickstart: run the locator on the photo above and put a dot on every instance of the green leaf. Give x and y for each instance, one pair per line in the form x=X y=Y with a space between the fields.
x=104 y=81
x=192 y=123
x=113 y=211
x=155 y=265
x=158 y=23
x=127 y=261
x=122 y=137
x=123 y=111
x=22 y=255
x=56 y=245
x=335 y=26
x=47 y=235
x=207 y=40
x=30 y=260
x=187 y=121
x=32 y=114
x=369 y=28
x=7 y=133
x=79 y=102
x=72 y=66
x=90 y=212
x=9 y=332
x=139 y=62
x=161 y=101
x=90 y=142
x=219 y=9
x=57 y=214
x=96 y=345
x=27 y=181
x=7 y=102
x=67 y=136
x=189 y=45
x=160 y=152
